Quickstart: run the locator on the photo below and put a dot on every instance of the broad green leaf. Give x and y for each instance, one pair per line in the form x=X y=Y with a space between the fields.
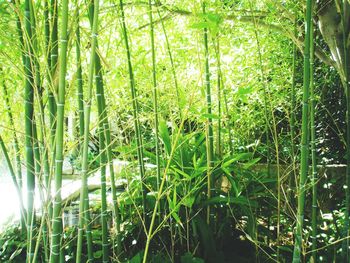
x=164 y=135
x=251 y=163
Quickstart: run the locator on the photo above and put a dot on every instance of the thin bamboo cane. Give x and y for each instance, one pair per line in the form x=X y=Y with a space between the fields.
x=56 y=217
x=292 y=180
x=52 y=83
x=313 y=150
x=173 y=68
x=29 y=113
x=103 y=158
x=80 y=96
x=155 y=91
x=210 y=136
x=102 y=108
x=87 y=110
x=304 y=138
x=107 y=136
x=344 y=10
x=177 y=89
x=135 y=111
x=218 y=85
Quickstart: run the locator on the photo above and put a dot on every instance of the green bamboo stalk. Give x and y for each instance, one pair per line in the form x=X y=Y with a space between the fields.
x=47 y=32
x=102 y=108
x=19 y=32
x=267 y=107
x=103 y=163
x=155 y=91
x=313 y=149
x=53 y=51
x=292 y=180
x=29 y=113
x=304 y=136
x=103 y=156
x=44 y=150
x=292 y=111
x=80 y=94
x=107 y=136
x=88 y=231
x=135 y=111
x=14 y=180
x=344 y=6
x=173 y=68
x=87 y=109
x=210 y=137
x=57 y=203
x=177 y=89
x=219 y=82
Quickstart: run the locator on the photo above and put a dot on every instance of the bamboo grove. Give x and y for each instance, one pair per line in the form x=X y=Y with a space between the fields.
x=219 y=136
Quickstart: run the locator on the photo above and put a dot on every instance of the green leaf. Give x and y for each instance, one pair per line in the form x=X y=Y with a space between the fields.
x=181 y=172
x=188 y=258
x=98 y=254
x=251 y=163
x=188 y=201
x=200 y=25
x=164 y=135
x=137 y=258
x=244 y=91
x=237 y=157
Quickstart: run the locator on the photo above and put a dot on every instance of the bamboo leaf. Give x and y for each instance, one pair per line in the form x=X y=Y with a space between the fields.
x=164 y=136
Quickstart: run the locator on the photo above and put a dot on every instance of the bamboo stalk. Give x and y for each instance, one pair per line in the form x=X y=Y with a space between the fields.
x=80 y=96
x=80 y=93
x=155 y=91
x=103 y=115
x=173 y=68
x=52 y=89
x=313 y=150
x=85 y=163
x=107 y=136
x=29 y=113
x=346 y=232
x=218 y=84
x=292 y=179
x=56 y=217
x=304 y=136
x=135 y=111
x=102 y=156
x=210 y=137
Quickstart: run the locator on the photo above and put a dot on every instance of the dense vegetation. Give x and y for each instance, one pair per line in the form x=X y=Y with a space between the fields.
x=217 y=130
